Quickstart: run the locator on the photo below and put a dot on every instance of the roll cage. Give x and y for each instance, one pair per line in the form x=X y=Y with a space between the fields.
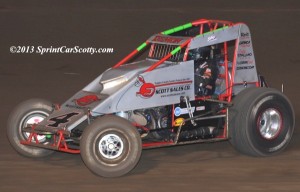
x=174 y=45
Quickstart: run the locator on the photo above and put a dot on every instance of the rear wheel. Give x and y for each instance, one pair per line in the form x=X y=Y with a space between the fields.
x=110 y=146
x=26 y=114
x=261 y=122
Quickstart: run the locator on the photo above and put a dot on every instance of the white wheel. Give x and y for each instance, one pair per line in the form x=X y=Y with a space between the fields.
x=30 y=119
x=269 y=123
x=26 y=114
x=111 y=146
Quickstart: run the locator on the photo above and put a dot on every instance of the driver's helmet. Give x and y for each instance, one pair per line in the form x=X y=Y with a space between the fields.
x=201 y=53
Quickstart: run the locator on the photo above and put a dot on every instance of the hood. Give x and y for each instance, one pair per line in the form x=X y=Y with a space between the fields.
x=115 y=78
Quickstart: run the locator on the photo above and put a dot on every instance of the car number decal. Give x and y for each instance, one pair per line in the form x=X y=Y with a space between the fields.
x=61 y=119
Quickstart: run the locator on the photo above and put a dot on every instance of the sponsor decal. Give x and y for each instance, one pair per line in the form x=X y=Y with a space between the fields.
x=177 y=111
x=286 y=139
x=245 y=43
x=173 y=89
x=164 y=89
x=86 y=100
x=245 y=54
x=147 y=90
x=245 y=34
x=244 y=67
x=178 y=122
x=200 y=108
x=245 y=57
x=211 y=38
x=244 y=62
x=74 y=106
x=185 y=110
x=181 y=111
x=167 y=39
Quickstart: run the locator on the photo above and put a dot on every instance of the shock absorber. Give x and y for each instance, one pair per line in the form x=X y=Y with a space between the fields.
x=186 y=99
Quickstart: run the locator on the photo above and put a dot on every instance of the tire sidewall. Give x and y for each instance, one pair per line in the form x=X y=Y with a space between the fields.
x=99 y=164
x=266 y=101
x=15 y=119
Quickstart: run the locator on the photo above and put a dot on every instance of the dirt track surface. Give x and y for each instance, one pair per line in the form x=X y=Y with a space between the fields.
x=275 y=27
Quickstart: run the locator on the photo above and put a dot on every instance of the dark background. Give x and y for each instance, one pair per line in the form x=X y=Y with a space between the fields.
x=123 y=25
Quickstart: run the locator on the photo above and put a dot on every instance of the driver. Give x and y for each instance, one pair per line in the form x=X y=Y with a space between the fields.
x=205 y=78
x=206 y=70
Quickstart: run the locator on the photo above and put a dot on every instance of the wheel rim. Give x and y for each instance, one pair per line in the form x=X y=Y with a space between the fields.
x=30 y=119
x=270 y=124
x=111 y=146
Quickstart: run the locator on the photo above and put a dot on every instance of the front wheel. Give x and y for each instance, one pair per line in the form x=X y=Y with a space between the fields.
x=261 y=122
x=26 y=114
x=110 y=146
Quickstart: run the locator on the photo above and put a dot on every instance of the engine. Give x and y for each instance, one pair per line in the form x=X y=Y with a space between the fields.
x=152 y=121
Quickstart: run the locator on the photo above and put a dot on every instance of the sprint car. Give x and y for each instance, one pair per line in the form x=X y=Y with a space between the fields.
x=199 y=83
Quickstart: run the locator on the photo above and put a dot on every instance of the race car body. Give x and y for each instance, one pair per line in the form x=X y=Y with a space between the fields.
x=199 y=83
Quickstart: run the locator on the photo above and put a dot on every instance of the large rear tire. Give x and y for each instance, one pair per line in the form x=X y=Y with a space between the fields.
x=26 y=114
x=261 y=122
x=111 y=146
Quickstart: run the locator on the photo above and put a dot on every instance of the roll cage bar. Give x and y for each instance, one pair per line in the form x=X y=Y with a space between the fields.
x=212 y=25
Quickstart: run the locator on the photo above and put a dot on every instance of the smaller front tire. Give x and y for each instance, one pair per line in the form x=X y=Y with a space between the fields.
x=26 y=114
x=111 y=146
